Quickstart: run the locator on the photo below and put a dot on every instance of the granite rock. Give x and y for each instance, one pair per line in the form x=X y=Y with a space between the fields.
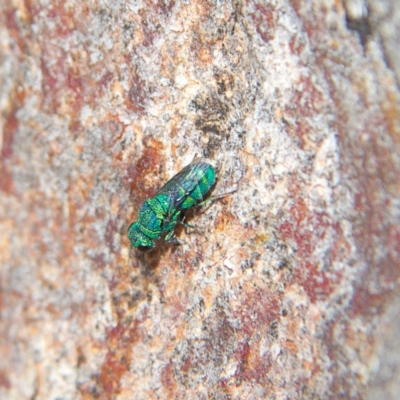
x=288 y=287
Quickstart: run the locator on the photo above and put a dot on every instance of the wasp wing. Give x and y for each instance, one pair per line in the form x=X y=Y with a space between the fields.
x=180 y=186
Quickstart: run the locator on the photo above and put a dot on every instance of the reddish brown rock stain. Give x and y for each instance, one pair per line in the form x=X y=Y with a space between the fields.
x=138 y=173
x=120 y=343
x=317 y=283
x=57 y=72
x=32 y=8
x=105 y=80
x=296 y=46
x=168 y=380
x=4 y=381
x=252 y=367
x=63 y=19
x=265 y=21
x=49 y=86
x=150 y=21
x=259 y=308
x=75 y=82
x=242 y=355
x=297 y=230
x=392 y=116
x=393 y=242
x=371 y=230
x=9 y=129
x=308 y=100
x=13 y=25
x=341 y=249
x=177 y=303
x=137 y=95
x=165 y=6
x=223 y=220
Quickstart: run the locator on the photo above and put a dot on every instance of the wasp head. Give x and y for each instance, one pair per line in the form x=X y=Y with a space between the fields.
x=139 y=239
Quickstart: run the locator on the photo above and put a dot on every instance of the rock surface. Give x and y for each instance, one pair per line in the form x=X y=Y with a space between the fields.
x=288 y=289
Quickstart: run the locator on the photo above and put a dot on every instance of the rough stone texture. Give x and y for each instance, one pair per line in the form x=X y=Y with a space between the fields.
x=288 y=288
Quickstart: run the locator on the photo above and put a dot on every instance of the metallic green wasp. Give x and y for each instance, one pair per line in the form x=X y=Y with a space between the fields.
x=159 y=214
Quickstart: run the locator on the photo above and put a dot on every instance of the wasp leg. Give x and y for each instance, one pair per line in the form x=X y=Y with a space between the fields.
x=170 y=229
x=216 y=197
x=175 y=220
x=170 y=238
x=174 y=240
x=185 y=224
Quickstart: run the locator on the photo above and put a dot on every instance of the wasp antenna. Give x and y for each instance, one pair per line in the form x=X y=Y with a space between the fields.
x=197 y=156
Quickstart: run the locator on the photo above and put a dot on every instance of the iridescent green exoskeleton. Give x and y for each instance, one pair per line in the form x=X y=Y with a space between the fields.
x=159 y=214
